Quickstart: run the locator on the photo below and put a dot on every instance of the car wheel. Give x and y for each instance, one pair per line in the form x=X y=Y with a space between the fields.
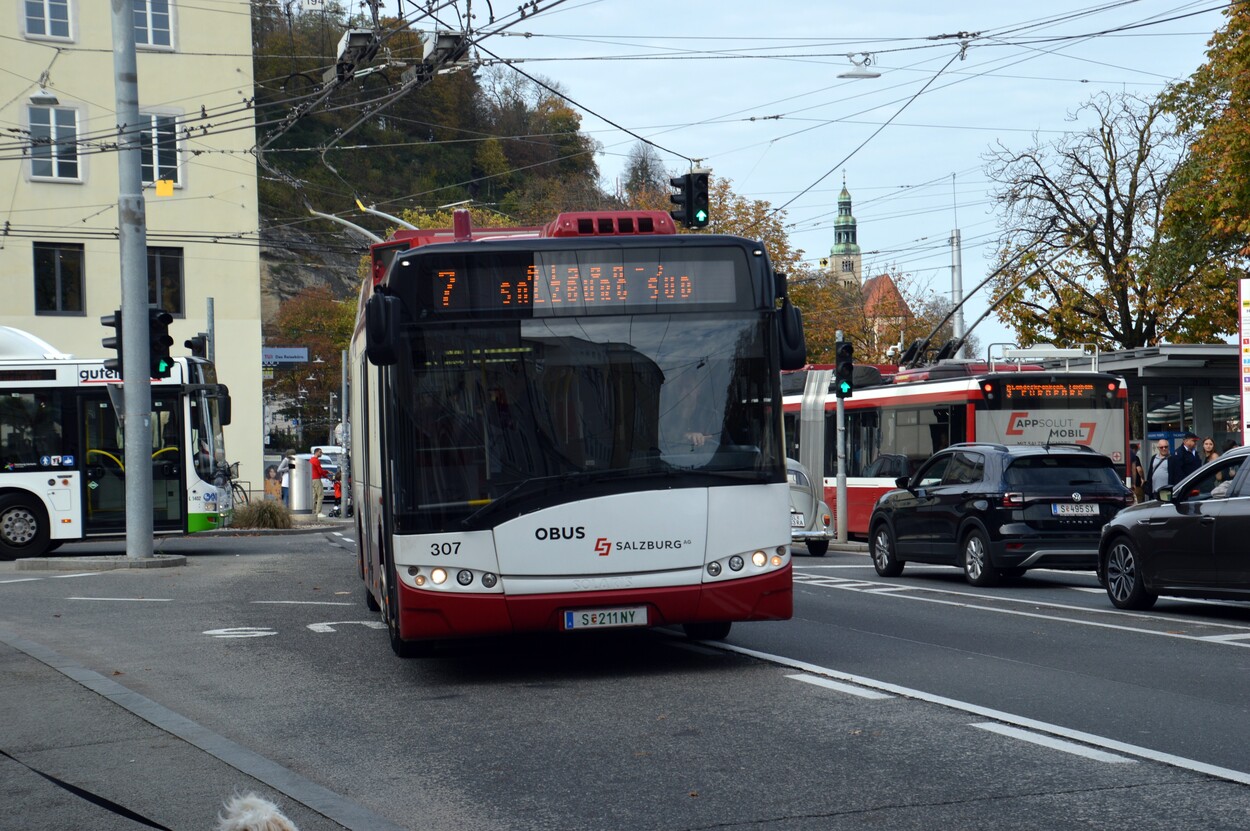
x=975 y=557
x=818 y=548
x=1125 y=585
x=713 y=631
x=24 y=529
x=884 y=560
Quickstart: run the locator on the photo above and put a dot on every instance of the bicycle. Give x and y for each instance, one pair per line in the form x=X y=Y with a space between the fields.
x=239 y=495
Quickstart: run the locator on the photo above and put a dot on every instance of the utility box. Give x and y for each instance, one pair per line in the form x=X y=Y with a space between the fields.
x=300 y=488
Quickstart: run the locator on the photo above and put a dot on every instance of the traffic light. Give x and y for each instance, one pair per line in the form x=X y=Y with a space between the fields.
x=692 y=199
x=159 y=341
x=697 y=215
x=114 y=341
x=844 y=370
x=681 y=199
x=198 y=345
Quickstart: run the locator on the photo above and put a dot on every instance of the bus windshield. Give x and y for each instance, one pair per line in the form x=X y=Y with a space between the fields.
x=496 y=418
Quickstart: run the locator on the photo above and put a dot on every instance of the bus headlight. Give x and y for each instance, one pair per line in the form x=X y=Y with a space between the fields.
x=759 y=558
x=439 y=576
x=735 y=562
x=489 y=580
x=713 y=568
x=464 y=577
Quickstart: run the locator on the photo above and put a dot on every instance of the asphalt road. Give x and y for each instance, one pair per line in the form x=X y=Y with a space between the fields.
x=257 y=666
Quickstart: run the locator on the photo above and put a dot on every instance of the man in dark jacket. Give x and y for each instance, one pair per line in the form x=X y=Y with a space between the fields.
x=1185 y=460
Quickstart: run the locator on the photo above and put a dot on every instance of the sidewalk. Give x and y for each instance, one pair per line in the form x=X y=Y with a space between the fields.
x=78 y=750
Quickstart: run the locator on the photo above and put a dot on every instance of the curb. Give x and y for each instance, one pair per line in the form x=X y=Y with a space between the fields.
x=107 y=563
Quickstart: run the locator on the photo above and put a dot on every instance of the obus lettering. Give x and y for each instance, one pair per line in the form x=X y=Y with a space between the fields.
x=577 y=532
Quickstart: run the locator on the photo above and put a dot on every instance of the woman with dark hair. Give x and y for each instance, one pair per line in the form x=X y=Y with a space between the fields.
x=1209 y=453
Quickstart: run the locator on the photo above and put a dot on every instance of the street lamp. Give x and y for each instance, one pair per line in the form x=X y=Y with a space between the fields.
x=861 y=69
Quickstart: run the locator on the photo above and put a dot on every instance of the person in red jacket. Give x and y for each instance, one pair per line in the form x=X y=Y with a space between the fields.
x=318 y=473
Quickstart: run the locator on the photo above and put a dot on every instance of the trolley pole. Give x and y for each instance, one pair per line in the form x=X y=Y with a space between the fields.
x=132 y=242
x=839 y=512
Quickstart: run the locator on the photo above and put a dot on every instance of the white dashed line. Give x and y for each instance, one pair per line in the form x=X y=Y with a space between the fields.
x=1055 y=744
x=830 y=684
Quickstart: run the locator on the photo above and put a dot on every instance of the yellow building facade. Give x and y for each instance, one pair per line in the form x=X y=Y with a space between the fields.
x=59 y=257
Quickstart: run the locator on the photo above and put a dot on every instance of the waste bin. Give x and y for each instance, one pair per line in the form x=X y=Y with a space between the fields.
x=300 y=492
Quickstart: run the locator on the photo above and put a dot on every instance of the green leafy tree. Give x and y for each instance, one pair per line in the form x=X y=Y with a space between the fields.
x=1084 y=255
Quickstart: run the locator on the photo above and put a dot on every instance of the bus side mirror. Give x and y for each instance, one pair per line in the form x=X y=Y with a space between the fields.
x=790 y=329
x=382 y=324
x=223 y=404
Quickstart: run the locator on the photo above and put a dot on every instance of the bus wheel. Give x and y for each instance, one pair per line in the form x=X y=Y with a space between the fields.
x=23 y=528
x=401 y=647
x=372 y=602
x=714 y=631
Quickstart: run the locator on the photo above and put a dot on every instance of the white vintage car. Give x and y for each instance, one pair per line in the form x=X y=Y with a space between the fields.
x=811 y=521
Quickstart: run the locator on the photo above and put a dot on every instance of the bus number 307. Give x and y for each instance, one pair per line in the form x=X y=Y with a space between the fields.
x=445 y=549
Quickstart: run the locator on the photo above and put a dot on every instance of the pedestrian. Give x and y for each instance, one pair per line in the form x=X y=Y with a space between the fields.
x=1209 y=453
x=1139 y=475
x=1157 y=475
x=284 y=476
x=318 y=473
x=1185 y=460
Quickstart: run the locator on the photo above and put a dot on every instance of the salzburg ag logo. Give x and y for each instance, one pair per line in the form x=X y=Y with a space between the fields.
x=603 y=546
x=1048 y=430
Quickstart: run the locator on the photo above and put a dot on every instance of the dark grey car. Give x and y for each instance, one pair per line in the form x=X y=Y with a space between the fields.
x=1190 y=542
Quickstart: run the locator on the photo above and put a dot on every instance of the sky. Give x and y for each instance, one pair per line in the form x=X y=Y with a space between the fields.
x=751 y=91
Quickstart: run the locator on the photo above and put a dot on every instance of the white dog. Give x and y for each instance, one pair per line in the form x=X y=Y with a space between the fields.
x=253 y=813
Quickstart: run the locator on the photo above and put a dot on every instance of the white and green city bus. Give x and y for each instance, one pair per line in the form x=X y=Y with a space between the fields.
x=62 y=455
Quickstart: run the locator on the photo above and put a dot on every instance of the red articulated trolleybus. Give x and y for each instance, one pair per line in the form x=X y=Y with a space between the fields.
x=573 y=427
x=900 y=420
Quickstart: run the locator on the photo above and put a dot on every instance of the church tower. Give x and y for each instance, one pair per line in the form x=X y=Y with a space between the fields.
x=845 y=262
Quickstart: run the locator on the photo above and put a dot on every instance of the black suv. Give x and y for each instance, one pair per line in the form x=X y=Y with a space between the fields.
x=996 y=511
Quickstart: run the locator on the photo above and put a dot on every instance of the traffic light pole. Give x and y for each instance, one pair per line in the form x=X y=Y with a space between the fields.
x=132 y=241
x=839 y=511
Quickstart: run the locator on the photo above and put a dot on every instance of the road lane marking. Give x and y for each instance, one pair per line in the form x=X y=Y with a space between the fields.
x=304 y=602
x=240 y=632
x=829 y=683
x=916 y=592
x=1024 y=722
x=22 y=580
x=329 y=625
x=128 y=599
x=1055 y=744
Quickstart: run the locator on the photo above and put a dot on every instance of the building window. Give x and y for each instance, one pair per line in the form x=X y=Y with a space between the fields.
x=165 y=279
x=53 y=142
x=848 y=265
x=58 y=278
x=47 y=18
x=159 y=149
x=152 y=23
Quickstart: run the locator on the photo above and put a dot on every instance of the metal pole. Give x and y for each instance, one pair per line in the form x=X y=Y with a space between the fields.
x=840 y=511
x=957 y=287
x=132 y=243
x=212 y=334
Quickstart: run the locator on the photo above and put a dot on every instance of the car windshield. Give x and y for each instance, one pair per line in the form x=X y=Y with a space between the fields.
x=1061 y=472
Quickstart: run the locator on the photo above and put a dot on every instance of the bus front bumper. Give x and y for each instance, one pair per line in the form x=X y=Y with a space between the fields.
x=430 y=615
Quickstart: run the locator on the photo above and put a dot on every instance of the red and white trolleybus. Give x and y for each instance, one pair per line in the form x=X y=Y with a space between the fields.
x=571 y=427
x=893 y=426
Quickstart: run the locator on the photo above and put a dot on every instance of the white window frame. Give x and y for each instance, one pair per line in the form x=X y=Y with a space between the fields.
x=54 y=140
x=147 y=34
x=45 y=19
x=152 y=157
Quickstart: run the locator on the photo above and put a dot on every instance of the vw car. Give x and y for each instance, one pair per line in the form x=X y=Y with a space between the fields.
x=810 y=520
x=998 y=510
x=1189 y=542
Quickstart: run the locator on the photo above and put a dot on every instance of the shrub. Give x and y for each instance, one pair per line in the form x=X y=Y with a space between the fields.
x=269 y=513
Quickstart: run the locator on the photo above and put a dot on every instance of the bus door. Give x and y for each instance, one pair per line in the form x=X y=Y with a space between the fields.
x=104 y=465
